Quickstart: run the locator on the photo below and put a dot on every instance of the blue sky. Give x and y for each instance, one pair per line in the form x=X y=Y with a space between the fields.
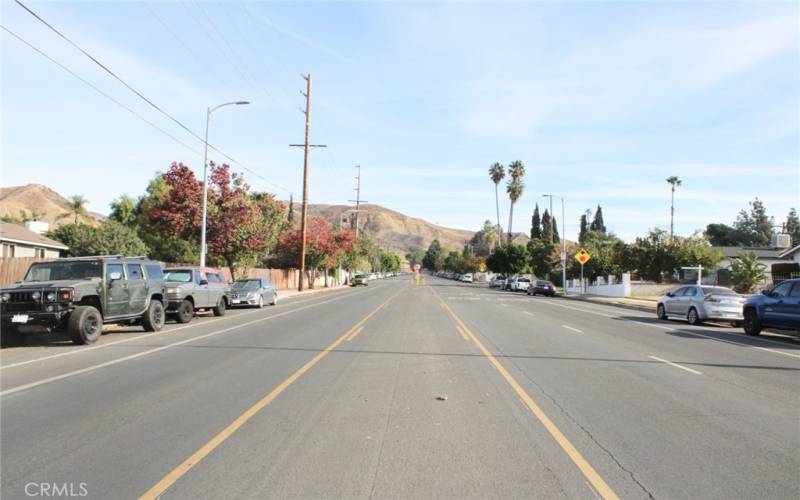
x=601 y=101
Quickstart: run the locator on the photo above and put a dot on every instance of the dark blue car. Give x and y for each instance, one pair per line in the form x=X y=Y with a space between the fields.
x=778 y=307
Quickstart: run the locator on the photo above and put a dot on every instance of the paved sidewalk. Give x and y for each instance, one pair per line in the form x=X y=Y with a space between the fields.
x=647 y=304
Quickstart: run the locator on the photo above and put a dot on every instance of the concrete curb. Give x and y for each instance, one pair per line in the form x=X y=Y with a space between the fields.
x=634 y=307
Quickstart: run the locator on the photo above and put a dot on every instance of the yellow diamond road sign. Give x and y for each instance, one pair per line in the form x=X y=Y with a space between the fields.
x=583 y=256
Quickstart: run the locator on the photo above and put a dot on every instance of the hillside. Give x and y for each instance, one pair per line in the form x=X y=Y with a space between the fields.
x=388 y=228
x=41 y=201
x=393 y=230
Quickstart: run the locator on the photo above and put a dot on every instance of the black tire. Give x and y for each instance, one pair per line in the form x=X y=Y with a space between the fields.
x=661 y=313
x=752 y=325
x=185 y=312
x=260 y=304
x=693 y=317
x=85 y=325
x=153 y=317
x=221 y=308
x=274 y=299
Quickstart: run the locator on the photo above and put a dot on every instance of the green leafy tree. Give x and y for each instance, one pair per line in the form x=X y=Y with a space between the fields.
x=655 y=256
x=536 y=224
x=497 y=172
x=453 y=262
x=543 y=257
x=607 y=252
x=722 y=235
x=164 y=244
x=746 y=272
x=792 y=226
x=290 y=212
x=110 y=238
x=509 y=259
x=415 y=256
x=755 y=225
x=389 y=261
x=482 y=242
x=123 y=210
x=434 y=257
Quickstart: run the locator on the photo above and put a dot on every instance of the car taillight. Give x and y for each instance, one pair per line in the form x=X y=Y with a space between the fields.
x=711 y=298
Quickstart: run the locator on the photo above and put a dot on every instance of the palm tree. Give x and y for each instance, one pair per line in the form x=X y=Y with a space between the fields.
x=674 y=181
x=747 y=272
x=76 y=207
x=514 y=189
x=497 y=172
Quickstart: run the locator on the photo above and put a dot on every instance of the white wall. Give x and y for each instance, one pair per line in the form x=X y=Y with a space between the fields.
x=602 y=287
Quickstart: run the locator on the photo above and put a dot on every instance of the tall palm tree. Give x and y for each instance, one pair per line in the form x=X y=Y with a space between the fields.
x=674 y=181
x=76 y=207
x=514 y=189
x=497 y=172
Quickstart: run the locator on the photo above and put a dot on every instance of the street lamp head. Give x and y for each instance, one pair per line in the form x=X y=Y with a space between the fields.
x=241 y=103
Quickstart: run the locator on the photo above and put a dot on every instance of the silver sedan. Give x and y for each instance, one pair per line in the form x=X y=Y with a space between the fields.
x=696 y=304
x=253 y=292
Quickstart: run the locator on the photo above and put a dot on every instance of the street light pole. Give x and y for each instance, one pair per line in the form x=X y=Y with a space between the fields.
x=205 y=179
x=563 y=239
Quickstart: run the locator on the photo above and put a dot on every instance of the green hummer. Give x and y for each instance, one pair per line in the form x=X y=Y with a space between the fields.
x=81 y=294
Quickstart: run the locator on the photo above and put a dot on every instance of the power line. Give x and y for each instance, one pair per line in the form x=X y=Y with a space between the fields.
x=141 y=96
x=126 y=108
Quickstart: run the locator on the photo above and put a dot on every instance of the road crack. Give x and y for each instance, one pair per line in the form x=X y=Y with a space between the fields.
x=569 y=416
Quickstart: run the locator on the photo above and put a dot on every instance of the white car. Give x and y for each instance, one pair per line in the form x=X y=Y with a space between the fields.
x=466 y=278
x=520 y=284
x=499 y=281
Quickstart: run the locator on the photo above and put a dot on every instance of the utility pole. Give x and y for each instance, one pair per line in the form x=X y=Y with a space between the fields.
x=552 y=219
x=358 y=199
x=306 y=148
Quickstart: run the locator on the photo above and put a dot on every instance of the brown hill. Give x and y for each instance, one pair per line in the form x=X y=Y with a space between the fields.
x=39 y=202
x=388 y=228
x=393 y=230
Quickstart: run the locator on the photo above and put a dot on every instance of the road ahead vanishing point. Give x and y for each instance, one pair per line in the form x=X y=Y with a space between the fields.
x=434 y=389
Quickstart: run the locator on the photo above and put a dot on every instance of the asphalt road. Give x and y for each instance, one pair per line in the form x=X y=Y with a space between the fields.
x=403 y=390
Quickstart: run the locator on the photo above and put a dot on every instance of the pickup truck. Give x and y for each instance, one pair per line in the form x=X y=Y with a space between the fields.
x=191 y=289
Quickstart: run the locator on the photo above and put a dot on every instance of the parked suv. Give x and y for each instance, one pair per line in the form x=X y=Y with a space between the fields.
x=81 y=294
x=778 y=307
x=190 y=289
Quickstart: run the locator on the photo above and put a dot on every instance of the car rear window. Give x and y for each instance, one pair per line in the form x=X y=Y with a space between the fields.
x=543 y=283
x=524 y=280
x=718 y=291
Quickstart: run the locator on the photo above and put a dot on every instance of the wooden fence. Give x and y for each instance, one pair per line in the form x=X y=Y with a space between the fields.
x=14 y=268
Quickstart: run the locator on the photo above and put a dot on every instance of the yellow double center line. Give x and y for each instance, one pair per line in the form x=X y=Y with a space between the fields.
x=172 y=477
x=597 y=482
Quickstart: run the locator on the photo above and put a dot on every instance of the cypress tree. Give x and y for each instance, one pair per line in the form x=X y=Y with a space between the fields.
x=536 y=224
x=793 y=226
x=546 y=221
x=597 y=224
x=556 y=238
x=290 y=215
x=584 y=228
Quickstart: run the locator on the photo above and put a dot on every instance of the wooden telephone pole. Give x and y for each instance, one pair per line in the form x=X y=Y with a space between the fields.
x=306 y=148
x=358 y=201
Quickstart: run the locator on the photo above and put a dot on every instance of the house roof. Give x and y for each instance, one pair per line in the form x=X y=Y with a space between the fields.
x=760 y=252
x=790 y=252
x=13 y=233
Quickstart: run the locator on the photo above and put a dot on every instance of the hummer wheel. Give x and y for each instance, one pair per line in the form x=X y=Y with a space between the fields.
x=85 y=325
x=153 y=318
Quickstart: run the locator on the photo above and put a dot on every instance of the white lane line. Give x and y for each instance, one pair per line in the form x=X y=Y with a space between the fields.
x=570 y=328
x=80 y=350
x=676 y=365
x=528 y=313
x=662 y=327
x=158 y=349
x=504 y=304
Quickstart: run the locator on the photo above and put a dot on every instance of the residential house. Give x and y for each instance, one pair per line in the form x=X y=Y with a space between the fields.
x=19 y=241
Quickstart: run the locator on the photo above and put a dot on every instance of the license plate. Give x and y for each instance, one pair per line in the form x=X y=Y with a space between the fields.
x=19 y=318
x=235 y=301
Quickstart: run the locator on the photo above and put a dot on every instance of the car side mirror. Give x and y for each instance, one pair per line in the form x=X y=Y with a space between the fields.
x=670 y=294
x=112 y=277
x=204 y=282
x=767 y=292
